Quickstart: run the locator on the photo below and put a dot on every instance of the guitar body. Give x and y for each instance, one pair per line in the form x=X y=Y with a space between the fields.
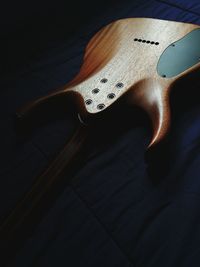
x=138 y=58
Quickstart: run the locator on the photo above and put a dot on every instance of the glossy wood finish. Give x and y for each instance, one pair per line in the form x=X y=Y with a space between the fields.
x=118 y=62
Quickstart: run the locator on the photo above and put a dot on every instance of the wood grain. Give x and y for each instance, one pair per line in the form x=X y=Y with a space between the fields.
x=115 y=63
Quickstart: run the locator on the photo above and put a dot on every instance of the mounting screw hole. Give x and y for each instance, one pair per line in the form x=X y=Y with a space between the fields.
x=100 y=106
x=173 y=44
x=157 y=43
x=119 y=85
x=104 y=80
x=152 y=42
x=144 y=41
x=136 y=39
x=164 y=76
x=95 y=91
x=139 y=40
x=111 y=96
x=88 y=101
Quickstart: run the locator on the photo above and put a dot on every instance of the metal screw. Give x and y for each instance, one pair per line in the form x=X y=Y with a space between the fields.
x=111 y=96
x=101 y=106
x=104 y=80
x=95 y=91
x=119 y=85
x=88 y=101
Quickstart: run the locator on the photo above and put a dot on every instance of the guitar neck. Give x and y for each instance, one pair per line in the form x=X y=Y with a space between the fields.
x=29 y=211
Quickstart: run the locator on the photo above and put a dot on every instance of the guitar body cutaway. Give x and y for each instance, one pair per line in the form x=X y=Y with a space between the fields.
x=129 y=57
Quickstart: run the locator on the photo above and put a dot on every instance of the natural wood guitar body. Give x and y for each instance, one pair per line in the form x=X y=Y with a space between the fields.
x=137 y=58
x=121 y=59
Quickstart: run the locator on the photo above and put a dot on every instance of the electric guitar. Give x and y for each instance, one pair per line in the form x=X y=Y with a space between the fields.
x=139 y=59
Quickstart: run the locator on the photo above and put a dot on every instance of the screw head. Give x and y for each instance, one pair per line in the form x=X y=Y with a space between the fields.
x=119 y=85
x=95 y=90
x=101 y=106
x=88 y=101
x=111 y=96
x=104 y=80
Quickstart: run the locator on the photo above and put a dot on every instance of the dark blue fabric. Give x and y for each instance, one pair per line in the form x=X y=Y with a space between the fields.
x=119 y=211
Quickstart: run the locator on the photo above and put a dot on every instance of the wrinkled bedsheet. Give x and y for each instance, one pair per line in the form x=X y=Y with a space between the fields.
x=116 y=213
